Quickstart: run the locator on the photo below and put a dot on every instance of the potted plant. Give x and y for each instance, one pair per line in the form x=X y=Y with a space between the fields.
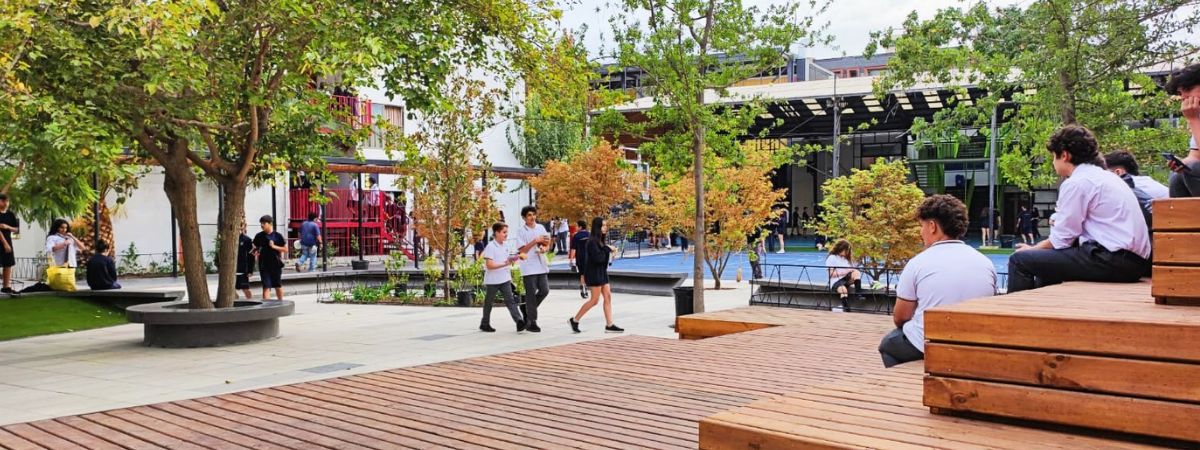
x=357 y=264
x=469 y=277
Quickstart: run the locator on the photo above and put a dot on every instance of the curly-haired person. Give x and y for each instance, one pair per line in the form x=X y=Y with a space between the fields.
x=1098 y=232
x=948 y=271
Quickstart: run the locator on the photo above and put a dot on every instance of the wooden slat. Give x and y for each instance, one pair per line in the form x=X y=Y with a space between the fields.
x=1177 y=282
x=1089 y=318
x=1177 y=248
x=1163 y=380
x=1172 y=420
x=1177 y=214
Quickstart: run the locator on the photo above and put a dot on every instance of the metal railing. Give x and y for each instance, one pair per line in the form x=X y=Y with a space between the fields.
x=809 y=286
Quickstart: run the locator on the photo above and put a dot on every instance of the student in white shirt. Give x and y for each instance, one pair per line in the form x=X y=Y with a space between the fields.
x=497 y=277
x=842 y=273
x=1098 y=234
x=1123 y=163
x=948 y=271
x=533 y=240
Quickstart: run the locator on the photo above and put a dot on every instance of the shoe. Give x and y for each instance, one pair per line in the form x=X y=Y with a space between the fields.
x=574 y=325
x=533 y=328
x=486 y=328
x=9 y=291
x=613 y=329
x=780 y=251
x=520 y=326
x=583 y=293
x=297 y=267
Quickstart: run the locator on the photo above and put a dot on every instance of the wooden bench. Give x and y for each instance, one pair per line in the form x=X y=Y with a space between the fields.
x=1101 y=356
x=1177 y=251
x=881 y=409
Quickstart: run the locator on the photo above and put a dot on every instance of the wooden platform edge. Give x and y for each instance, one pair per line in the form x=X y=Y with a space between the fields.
x=1170 y=420
x=698 y=327
x=1140 y=378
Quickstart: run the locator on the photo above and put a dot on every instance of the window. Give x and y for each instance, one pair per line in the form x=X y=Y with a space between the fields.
x=878 y=71
x=853 y=73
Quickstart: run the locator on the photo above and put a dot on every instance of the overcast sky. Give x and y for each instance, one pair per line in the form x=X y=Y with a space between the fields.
x=850 y=21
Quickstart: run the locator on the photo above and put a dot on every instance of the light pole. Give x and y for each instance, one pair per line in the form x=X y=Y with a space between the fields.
x=837 y=124
x=992 y=166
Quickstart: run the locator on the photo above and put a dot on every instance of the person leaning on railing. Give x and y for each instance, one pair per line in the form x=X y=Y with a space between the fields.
x=948 y=271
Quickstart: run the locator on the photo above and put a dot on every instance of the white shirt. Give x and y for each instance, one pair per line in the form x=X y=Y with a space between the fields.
x=1151 y=187
x=62 y=256
x=564 y=227
x=534 y=264
x=496 y=252
x=839 y=267
x=1096 y=205
x=946 y=273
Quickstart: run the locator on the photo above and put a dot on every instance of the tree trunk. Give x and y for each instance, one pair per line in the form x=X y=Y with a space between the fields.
x=233 y=200
x=1068 y=105
x=180 y=185
x=698 y=235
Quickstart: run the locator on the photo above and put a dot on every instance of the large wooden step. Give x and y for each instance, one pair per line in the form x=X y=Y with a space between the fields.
x=1102 y=356
x=1176 y=270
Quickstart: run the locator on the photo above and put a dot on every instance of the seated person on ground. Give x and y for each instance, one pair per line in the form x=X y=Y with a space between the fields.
x=1098 y=234
x=1186 y=84
x=948 y=271
x=101 y=270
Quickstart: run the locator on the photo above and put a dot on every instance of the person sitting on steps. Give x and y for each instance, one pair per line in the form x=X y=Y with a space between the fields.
x=948 y=271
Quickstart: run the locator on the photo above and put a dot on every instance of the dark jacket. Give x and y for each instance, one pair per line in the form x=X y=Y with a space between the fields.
x=101 y=273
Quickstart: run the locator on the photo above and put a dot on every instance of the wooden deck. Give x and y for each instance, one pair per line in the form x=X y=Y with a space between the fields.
x=621 y=393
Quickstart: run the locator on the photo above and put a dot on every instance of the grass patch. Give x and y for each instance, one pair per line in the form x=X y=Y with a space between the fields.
x=37 y=315
x=996 y=251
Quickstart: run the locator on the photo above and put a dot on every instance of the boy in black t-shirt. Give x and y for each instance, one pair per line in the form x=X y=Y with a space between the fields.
x=101 y=270
x=245 y=263
x=270 y=246
x=8 y=225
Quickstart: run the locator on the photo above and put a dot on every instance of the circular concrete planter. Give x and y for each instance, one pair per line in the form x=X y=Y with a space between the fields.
x=173 y=325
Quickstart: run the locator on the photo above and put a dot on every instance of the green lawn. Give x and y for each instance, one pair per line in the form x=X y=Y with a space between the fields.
x=37 y=315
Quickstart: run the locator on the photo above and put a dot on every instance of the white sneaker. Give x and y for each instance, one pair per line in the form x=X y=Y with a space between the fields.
x=780 y=251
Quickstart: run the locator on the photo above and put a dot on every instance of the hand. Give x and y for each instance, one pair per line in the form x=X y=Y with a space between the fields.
x=1182 y=168
x=1022 y=247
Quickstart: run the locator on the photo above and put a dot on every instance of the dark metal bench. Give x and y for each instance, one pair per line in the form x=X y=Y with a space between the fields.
x=625 y=282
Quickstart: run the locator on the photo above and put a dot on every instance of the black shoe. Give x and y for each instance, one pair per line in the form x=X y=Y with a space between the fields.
x=574 y=325
x=520 y=326
x=533 y=328
x=9 y=291
x=613 y=329
x=583 y=293
x=486 y=328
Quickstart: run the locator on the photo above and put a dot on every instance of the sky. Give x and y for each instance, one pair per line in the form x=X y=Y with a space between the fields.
x=850 y=21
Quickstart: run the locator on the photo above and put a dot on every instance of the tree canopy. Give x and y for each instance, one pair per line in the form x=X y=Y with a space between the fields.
x=588 y=185
x=685 y=50
x=875 y=210
x=1059 y=61
x=238 y=91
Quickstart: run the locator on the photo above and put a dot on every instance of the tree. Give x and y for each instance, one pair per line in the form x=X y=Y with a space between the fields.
x=740 y=201
x=690 y=49
x=539 y=137
x=588 y=185
x=233 y=91
x=1060 y=61
x=875 y=210
x=453 y=196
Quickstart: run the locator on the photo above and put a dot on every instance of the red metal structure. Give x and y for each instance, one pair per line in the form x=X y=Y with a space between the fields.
x=384 y=224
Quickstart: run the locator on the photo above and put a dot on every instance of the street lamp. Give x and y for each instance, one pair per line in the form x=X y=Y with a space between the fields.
x=837 y=123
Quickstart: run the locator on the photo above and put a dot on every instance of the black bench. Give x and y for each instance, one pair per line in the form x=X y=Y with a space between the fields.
x=625 y=282
x=121 y=298
x=810 y=295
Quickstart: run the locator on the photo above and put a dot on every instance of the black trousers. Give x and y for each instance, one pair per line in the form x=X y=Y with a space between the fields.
x=537 y=287
x=895 y=349
x=1089 y=261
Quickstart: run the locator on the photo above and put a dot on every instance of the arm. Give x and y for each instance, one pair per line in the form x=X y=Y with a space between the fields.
x=903 y=311
x=278 y=248
x=1072 y=208
x=110 y=267
x=493 y=265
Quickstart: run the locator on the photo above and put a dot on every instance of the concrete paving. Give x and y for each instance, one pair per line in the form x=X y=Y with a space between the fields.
x=95 y=370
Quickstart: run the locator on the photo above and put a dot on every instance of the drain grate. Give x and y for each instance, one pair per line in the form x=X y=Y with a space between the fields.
x=331 y=368
x=434 y=337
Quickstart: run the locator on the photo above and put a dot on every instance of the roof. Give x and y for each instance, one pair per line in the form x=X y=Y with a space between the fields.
x=853 y=61
x=796 y=90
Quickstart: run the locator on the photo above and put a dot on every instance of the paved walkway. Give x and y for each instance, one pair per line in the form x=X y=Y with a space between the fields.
x=75 y=373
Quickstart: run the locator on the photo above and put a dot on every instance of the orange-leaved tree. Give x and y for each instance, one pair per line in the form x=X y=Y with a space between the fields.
x=739 y=198
x=589 y=184
x=874 y=209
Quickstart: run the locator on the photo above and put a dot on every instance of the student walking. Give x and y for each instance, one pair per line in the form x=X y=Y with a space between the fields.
x=270 y=246
x=497 y=278
x=8 y=258
x=101 y=270
x=533 y=240
x=310 y=240
x=781 y=227
x=595 y=274
x=245 y=262
x=561 y=235
x=1025 y=225
x=576 y=256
